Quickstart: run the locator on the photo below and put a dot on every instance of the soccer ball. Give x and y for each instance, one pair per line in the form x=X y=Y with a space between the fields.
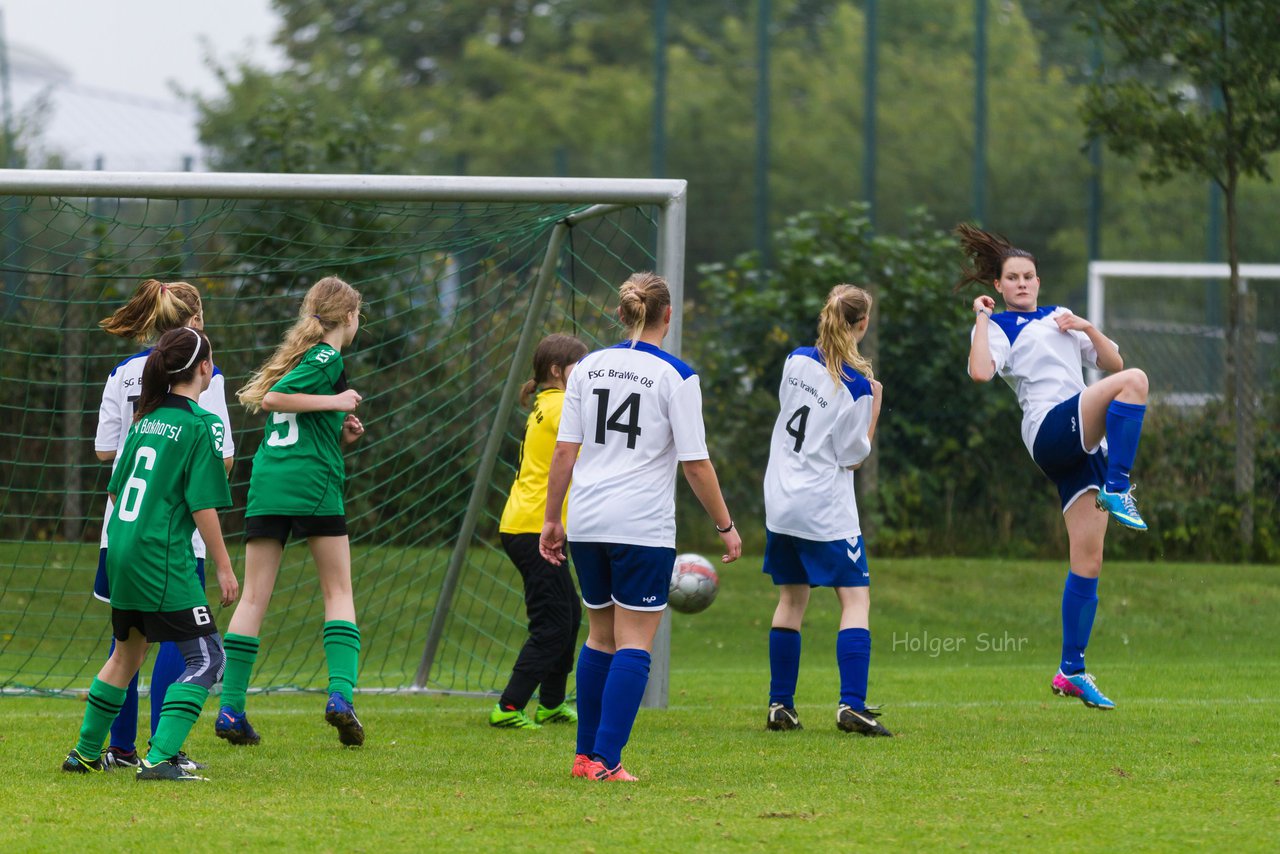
x=694 y=584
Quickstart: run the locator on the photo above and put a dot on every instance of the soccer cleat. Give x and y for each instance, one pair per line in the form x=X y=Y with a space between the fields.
x=561 y=714
x=1122 y=508
x=342 y=715
x=861 y=721
x=77 y=764
x=581 y=762
x=1082 y=687
x=782 y=717
x=235 y=727
x=511 y=718
x=595 y=770
x=117 y=758
x=189 y=764
x=169 y=769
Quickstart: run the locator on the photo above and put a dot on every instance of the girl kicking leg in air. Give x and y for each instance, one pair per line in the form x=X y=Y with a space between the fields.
x=1040 y=352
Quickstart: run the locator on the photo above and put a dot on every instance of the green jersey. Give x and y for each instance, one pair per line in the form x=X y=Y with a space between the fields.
x=298 y=469
x=171 y=466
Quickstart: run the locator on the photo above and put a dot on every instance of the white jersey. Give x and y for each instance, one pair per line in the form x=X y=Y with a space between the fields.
x=821 y=431
x=1041 y=363
x=635 y=410
x=115 y=416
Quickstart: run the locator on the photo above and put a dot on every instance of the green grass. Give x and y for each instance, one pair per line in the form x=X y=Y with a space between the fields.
x=986 y=758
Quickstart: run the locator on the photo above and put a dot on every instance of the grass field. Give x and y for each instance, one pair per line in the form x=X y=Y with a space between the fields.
x=986 y=758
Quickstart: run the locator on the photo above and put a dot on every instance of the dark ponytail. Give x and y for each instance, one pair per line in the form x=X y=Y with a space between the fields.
x=556 y=350
x=175 y=359
x=987 y=252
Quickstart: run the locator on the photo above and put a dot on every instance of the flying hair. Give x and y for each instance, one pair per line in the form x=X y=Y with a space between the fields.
x=326 y=306
x=844 y=309
x=155 y=308
x=174 y=360
x=986 y=253
x=641 y=299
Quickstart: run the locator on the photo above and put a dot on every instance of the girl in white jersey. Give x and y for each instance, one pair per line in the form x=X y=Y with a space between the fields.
x=630 y=413
x=829 y=405
x=1083 y=438
x=155 y=308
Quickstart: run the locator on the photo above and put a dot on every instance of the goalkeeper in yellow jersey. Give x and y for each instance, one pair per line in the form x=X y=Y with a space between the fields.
x=550 y=596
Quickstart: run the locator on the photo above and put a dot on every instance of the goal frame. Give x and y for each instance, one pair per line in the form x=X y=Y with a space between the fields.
x=604 y=195
x=1101 y=271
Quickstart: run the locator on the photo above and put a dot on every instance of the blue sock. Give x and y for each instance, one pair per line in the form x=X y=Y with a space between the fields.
x=591 y=674
x=853 y=654
x=124 y=729
x=168 y=667
x=1079 y=605
x=628 y=676
x=784 y=665
x=1124 y=429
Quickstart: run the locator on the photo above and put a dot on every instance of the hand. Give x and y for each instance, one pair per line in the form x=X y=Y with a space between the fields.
x=347 y=401
x=228 y=584
x=732 y=544
x=352 y=429
x=1068 y=322
x=984 y=302
x=551 y=543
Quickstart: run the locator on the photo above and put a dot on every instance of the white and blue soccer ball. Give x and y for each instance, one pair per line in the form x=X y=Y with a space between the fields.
x=694 y=584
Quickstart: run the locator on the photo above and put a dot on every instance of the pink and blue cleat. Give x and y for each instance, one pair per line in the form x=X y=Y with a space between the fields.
x=1082 y=687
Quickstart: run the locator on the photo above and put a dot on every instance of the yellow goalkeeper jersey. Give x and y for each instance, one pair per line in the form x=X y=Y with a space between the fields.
x=527 y=502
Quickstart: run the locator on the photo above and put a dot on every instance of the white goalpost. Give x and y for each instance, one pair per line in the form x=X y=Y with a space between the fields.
x=1186 y=339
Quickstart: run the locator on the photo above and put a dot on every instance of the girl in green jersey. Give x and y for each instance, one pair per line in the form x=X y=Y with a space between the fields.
x=169 y=482
x=296 y=489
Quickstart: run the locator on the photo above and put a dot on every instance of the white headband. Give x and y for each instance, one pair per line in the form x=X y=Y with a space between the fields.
x=194 y=353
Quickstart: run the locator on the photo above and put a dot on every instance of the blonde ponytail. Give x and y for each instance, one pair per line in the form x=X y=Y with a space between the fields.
x=155 y=308
x=845 y=308
x=641 y=300
x=326 y=306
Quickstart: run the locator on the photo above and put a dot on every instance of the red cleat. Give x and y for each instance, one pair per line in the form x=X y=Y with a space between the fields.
x=580 y=763
x=597 y=771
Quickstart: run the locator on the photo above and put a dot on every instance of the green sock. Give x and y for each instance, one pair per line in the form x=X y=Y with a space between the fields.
x=242 y=651
x=182 y=704
x=99 y=713
x=342 y=651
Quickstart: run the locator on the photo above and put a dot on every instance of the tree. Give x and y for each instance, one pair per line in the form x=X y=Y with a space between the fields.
x=1192 y=86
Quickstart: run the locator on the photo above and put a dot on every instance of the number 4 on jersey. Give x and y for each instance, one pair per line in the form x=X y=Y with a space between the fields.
x=796 y=424
x=630 y=410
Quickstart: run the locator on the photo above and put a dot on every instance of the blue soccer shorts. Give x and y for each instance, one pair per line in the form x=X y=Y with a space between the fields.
x=1060 y=453
x=633 y=577
x=818 y=563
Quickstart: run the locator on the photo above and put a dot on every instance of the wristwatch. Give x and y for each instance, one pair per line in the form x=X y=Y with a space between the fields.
x=726 y=529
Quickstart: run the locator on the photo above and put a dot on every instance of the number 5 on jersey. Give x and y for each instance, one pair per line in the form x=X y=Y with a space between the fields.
x=290 y=435
x=630 y=410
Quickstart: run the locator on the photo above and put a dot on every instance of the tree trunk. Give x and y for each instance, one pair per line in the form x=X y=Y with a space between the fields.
x=1241 y=373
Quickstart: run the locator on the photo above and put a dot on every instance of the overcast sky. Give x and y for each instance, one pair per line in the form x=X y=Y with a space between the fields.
x=138 y=46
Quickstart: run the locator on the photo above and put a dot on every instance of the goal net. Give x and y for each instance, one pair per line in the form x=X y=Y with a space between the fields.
x=1170 y=320
x=460 y=277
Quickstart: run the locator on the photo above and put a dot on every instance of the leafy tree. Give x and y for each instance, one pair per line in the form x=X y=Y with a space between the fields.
x=1193 y=87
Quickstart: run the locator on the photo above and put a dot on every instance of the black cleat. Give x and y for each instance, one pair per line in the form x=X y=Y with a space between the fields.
x=170 y=770
x=782 y=717
x=861 y=721
x=117 y=758
x=77 y=764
